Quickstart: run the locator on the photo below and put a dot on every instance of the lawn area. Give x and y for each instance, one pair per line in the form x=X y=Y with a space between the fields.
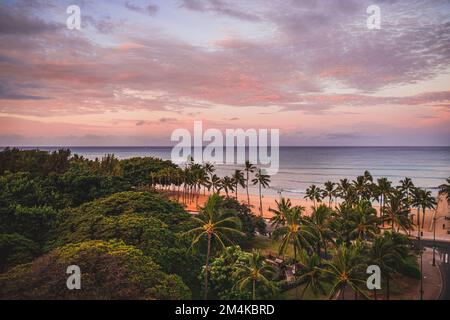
x=269 y=246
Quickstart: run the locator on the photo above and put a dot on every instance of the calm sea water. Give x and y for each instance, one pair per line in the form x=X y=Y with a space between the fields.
x=303 y=166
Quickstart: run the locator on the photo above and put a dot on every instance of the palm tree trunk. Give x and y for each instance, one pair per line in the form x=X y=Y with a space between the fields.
x=343 y=293
x=423 y=218
x=248 y=196
x=260 y=200
x=295 y=252
x=418 y=222
x=375 y=294
x=207 y=267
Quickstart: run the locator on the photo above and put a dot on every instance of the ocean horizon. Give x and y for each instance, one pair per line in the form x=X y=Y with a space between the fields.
x=302 y=166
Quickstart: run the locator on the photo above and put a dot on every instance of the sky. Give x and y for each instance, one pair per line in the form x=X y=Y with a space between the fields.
x=138 y=70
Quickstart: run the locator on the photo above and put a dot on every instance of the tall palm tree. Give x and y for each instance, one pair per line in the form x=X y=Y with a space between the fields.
x=385 y=253
x=407 y=186
x=320 y=228
x=249 y=168
x=343 y=188
x=279 y=214
x=204 y=181
x=215 y=183
x=428 y=201
x=253 y=272
x=209 y=169
x=214 y=223
x=227 y=185
x=293 y=232
x=397 y=212
x=368 y=177
x=445 y=189
x=309 y=273
x=363 y=221
x=329 y=191
x=416 y=201
x=314 y=194
x=420 y=200
x=262 y=180
x=360 y=186
x=346 y=269
x=384 y=188
x=238 y=179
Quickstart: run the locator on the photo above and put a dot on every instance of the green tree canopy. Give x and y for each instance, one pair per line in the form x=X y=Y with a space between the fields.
x=109 y=270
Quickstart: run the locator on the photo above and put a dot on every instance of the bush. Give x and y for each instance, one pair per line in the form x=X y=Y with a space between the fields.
x=34 y=223
x=15 y=249
x=133 y=217
x=137 y=170
x=109 y=270
x=142 y=203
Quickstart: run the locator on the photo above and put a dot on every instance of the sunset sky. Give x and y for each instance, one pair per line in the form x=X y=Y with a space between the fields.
x=137 y=70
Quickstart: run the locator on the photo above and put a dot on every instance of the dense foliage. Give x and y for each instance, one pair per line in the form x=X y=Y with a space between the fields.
x=49 y=201
x=110 y=270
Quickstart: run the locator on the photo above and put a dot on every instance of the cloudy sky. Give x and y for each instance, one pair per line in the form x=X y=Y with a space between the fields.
x=137 y=70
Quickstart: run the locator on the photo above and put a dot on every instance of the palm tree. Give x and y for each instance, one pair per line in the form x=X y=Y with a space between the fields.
x=238 y=179
x=209 y=169
x=360 y=186
x=215 y=183
x=262 y=180
x=368 y=177
x=279 y=214
x=343 y=188
x=293 y=232
x=329 y=191
x=227 y=185
x=204 y=181
x=249 y=167
x=314 y=194
x=407 y=186
x=319 y=224
x=385 y=253
x=384 y=188
x=254 y=271
x=445 y=189
x=416 y=202
x=428 y=201
x=397 y=212
x=363 y=221
x=346 y=269
x=309 y=273
x=213 y=223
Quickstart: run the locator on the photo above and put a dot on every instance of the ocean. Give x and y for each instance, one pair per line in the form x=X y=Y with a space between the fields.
x=300 y=167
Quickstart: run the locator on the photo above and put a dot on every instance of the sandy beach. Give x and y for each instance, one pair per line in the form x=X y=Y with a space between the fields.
x=269 y=202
